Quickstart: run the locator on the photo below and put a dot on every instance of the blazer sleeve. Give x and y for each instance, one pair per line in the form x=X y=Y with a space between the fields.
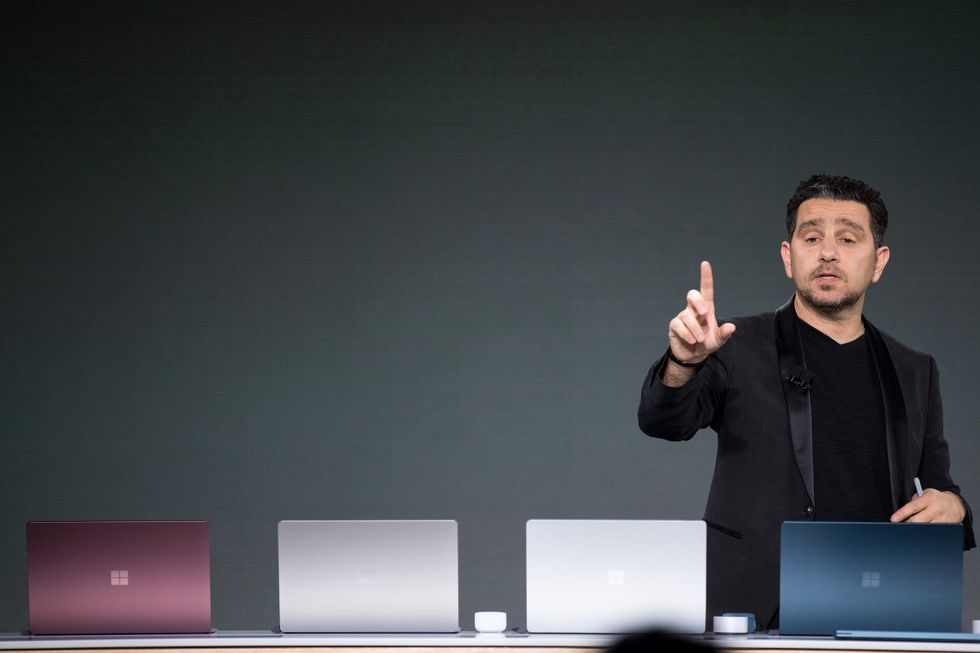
x=678 y=413
x=934 y=464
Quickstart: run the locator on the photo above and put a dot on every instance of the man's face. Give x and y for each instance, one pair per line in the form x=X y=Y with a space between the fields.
x=832 y=257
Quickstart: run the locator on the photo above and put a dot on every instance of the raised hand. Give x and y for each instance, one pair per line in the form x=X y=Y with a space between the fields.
x=695 y=333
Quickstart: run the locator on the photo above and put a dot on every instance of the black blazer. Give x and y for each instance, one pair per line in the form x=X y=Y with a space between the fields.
x=754 y=393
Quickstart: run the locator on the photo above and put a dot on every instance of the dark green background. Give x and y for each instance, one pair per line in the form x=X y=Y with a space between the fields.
x=412 y=260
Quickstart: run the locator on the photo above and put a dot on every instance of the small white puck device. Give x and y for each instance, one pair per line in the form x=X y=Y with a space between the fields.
x=731 y=624
x=490 y=623
x=976 y=626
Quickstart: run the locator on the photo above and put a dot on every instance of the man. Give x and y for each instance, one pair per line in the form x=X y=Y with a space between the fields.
x=819 y=414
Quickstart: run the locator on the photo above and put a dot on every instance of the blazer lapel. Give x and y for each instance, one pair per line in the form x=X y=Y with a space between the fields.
x=796 y=390
x=896 y=425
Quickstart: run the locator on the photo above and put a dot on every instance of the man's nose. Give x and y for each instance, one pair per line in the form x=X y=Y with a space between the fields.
x=828 y=250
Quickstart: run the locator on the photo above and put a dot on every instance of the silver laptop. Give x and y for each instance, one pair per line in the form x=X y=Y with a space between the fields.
x=368 y=577
x=615 y=576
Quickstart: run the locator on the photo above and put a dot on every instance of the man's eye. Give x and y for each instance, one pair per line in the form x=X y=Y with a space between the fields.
x=847 y=241
x=810 y=239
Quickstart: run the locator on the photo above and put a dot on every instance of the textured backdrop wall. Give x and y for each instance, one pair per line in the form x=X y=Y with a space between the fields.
x=266 y=260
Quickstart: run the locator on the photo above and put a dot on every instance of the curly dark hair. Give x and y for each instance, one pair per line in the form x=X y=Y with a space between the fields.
x=838 y=187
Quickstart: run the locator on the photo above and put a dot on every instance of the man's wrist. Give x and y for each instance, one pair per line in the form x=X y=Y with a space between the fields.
x=689 y=363
x=674 y=374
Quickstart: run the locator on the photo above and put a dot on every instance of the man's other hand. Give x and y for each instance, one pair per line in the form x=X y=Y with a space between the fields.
x=933 y=506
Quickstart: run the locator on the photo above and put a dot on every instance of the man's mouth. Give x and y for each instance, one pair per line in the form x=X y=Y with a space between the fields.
x=827 y=276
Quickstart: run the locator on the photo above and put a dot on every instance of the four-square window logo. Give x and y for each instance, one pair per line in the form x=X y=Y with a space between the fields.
x=616 y=576
x=871 y=579
x=119 y=577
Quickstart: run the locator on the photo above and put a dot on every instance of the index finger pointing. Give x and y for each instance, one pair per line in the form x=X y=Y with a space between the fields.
x=707 y=282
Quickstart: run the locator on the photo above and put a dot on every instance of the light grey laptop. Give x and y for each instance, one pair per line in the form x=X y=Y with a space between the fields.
x=368 y=576
x=615 y=576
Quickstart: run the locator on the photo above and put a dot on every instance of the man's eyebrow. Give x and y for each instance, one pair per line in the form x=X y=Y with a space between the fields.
x=813 y=222
x=847 y=222
x=819 y=222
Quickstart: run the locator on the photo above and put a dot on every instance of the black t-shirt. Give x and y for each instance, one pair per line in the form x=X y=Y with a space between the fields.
x=850 y=455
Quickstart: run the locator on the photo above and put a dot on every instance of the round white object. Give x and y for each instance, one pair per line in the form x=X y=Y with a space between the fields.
x=490 y=622
x=976 y=626
x=727 y=625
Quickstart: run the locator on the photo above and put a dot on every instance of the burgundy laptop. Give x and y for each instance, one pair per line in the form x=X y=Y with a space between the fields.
x=119 y=577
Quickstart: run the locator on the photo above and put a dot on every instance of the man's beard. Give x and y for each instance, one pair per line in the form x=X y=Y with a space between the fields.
x=829 y=306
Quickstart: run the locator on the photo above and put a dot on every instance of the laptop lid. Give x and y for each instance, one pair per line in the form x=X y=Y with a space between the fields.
x=368 y=576
x=118 y=577
x=869 y=576
x=615 y=576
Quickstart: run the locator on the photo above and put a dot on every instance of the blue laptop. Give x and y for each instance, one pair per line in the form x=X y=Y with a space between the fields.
x=870 y=576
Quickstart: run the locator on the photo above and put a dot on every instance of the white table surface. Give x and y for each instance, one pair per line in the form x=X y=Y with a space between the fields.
x=268 y=639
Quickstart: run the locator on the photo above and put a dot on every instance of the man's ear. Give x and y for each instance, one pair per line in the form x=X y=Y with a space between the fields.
x=787 y=259
x=881 y=260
